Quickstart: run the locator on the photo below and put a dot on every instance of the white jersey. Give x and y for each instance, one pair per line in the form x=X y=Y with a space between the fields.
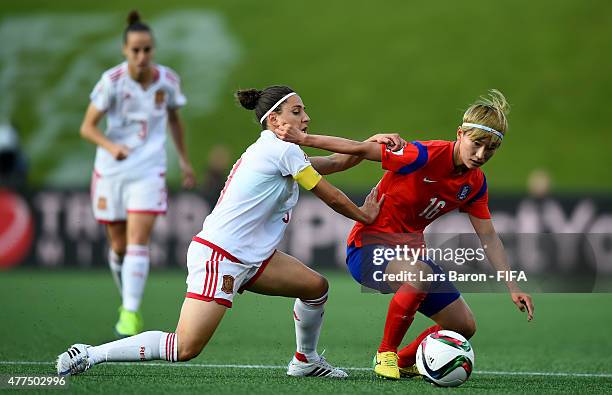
x=137 y=118
x=255 y=206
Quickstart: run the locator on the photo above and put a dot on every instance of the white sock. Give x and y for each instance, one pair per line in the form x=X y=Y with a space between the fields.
x=146 y=346
x=114 y=262
x=308 y=318
x=134 y=275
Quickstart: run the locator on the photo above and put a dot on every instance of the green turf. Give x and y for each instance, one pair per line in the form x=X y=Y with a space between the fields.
x=44 y=312
x=360 y=67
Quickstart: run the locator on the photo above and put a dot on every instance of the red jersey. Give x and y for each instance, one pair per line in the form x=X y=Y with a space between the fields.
x=419 y=186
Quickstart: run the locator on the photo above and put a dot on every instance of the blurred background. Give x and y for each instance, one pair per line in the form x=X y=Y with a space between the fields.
x=360 y=68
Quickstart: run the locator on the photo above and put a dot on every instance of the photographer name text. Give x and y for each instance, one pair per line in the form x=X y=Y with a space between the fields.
x=452 y=275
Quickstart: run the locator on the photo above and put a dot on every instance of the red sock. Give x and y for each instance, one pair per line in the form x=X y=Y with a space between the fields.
x=402 y=308
x=407 y=355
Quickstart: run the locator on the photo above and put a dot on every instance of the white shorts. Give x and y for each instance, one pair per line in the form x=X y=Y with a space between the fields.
x=113 y=197
x=214 y=274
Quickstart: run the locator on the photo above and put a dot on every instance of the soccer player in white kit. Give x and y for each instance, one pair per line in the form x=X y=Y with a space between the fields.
x=236 y=249
x=128 y=188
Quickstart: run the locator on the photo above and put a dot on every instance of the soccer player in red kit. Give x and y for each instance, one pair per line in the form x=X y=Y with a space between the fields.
x=422 y=182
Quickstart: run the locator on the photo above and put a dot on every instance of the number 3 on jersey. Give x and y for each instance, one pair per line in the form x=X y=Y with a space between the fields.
x=433 y=209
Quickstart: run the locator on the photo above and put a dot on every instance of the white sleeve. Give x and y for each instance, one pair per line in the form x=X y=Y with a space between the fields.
x=101 y=94
x=175 y=98
x=293 y=161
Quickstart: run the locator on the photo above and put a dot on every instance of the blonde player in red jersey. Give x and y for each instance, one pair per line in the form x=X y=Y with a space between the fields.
x=236 y=248
x=423 y=181
x=128 y=188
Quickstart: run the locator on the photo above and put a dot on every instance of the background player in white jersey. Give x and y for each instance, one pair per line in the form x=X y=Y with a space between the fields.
x=128 y=187
x=236 y=249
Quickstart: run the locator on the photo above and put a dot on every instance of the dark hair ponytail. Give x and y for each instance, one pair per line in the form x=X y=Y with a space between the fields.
x=262 y=101
x=133 y=17
x=248 y=98
x=134 y=24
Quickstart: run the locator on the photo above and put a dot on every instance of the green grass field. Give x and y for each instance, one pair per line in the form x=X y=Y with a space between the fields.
x=567 y=349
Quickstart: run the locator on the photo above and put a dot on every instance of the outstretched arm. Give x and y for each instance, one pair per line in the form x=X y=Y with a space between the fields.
x=334 y=163
x=366 y=150
x=339 y=162
x=340 y=203
x=497 y=257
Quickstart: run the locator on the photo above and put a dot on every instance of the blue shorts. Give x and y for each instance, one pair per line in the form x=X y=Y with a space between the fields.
x=360 y=264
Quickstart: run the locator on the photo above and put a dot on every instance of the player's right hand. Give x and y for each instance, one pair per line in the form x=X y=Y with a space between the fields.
x=393 y=141
x=371 y=206
x=289 y=133
x=119 y=151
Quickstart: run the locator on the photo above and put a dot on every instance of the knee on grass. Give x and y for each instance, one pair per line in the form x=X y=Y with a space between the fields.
x=188 y=351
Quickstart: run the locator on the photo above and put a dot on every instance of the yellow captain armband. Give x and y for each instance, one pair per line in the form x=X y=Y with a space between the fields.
x=308 y=178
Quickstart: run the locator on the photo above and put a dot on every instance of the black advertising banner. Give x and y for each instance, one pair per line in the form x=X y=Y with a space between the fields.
x=569 y=235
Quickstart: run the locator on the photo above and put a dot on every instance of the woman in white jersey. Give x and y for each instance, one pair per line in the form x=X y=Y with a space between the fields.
x=236 y=249
x=128 y=187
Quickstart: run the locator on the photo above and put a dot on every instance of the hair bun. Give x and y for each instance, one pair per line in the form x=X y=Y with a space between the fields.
x=133 y=17
x=498 y=101
x=248 y=98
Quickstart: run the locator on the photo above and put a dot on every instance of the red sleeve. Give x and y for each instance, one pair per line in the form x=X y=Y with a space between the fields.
x=405 y=161
x=478 y=206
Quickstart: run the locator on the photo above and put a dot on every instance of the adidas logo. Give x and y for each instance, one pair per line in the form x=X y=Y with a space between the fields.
x=319 y=372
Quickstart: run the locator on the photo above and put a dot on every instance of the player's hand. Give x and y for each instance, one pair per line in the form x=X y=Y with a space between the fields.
x=371 y=206
x=289 y=133
x=523 y=302
x=393 y=141
x=119 y=151
x=189 y=180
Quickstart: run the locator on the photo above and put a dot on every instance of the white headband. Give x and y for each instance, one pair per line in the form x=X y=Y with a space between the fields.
x=485 y=128
x=278 y=103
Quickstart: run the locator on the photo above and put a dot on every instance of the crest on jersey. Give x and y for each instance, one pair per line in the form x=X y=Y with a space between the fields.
x=228 y=284
x=160 y=97
x=101 y=203
x=464 y=191
x=398 y=152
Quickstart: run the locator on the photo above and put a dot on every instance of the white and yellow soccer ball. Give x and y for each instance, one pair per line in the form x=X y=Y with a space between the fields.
x=445 y=358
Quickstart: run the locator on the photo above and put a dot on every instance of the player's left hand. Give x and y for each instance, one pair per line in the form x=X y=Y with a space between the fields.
x=189 y=180
x=371 y=206
x=393 y=141
x=523 y=302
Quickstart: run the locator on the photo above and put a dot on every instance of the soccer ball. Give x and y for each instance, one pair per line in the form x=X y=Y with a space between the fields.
x=445 y=358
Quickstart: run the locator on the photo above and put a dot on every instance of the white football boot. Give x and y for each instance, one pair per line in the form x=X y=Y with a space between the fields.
x=317 y=368
x=74 y=361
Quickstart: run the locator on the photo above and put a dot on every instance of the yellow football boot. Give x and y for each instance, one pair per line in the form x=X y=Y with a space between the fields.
x=385 y=365
x=129 y=324
x=409 y=372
